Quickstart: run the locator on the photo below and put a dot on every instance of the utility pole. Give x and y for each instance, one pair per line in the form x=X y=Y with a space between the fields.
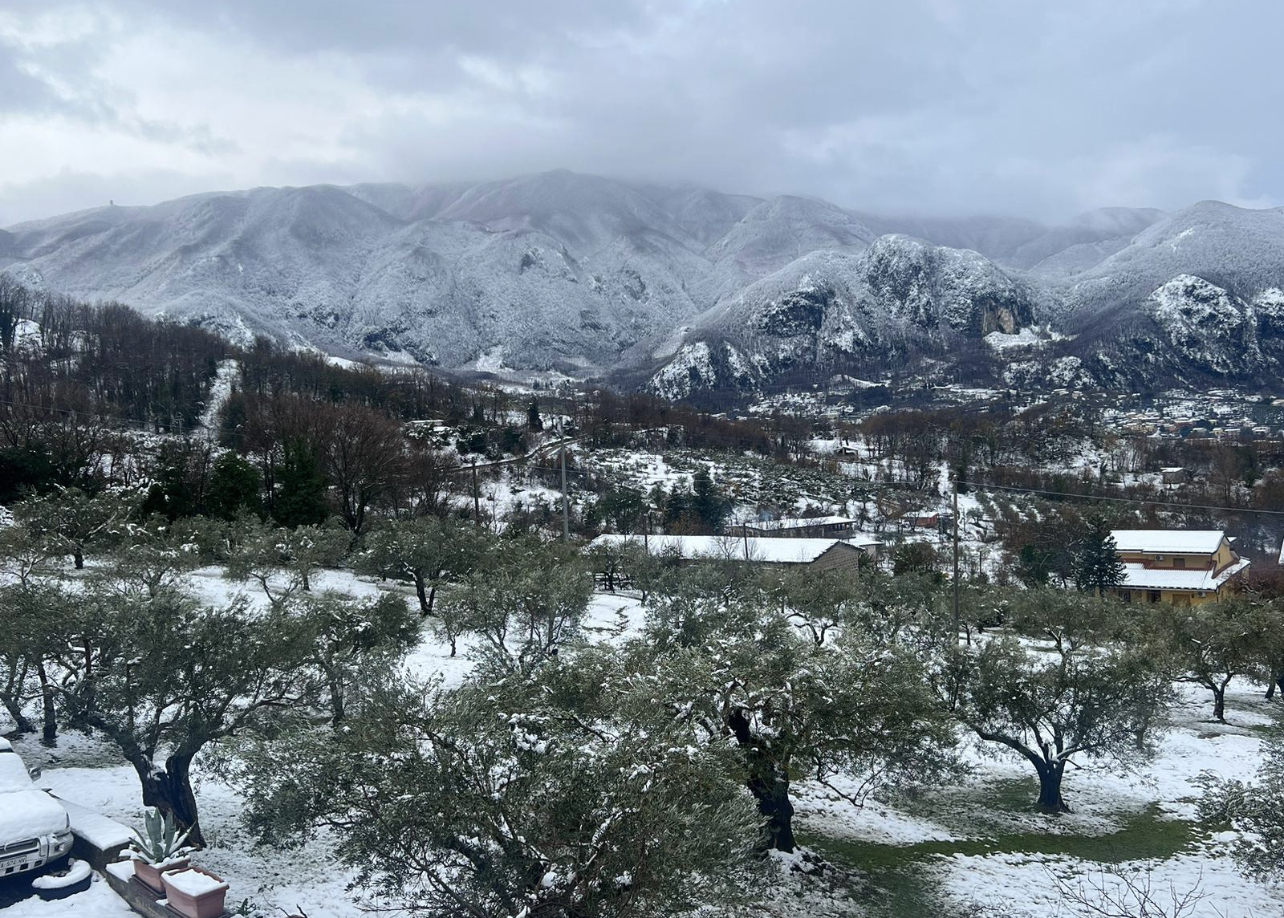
x=957 y=617
x=476 y=499
x=566 y=500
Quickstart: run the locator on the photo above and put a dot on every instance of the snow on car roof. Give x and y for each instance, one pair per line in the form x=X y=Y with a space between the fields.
x=13 y=774
x=1173 y=541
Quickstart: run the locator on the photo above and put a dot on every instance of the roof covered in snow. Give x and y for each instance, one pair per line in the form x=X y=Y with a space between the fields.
x=1138 y=577
x=803 y=522
x=1170 y=541
x=732 y=548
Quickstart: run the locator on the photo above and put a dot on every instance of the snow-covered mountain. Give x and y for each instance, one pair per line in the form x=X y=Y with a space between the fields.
x=833 y=311
x=682 y=285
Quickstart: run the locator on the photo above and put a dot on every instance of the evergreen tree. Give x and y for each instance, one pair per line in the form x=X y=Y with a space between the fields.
x=707 y=503
x=301 y=488
x=533 y=420
x=175 y=490
x=235 y=487
x=1098 y=567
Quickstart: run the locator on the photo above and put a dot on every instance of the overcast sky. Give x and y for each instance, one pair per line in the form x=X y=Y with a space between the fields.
x=1029 y=107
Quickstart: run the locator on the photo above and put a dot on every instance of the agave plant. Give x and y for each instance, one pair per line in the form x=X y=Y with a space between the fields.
x=162 y=840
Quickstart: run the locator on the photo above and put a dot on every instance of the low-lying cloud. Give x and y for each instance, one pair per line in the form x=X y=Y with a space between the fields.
x=924 y=106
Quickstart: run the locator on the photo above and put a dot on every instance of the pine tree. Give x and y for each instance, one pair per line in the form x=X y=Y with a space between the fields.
x=1098 y=567
x=707 y=503
x=235 y=486
x=301 y=496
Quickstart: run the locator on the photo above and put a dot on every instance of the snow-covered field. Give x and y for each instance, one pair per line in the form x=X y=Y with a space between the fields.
x=972 y=842
x=89 y=772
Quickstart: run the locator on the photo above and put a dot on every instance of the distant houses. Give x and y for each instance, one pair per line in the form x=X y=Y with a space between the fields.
x=819 y=527
x=813 y=554
x=1182 y=567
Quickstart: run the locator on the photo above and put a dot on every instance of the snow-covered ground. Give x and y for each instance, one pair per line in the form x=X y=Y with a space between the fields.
x=99 y=901
x=90 y=772
x=975 y=841
x=978 y=843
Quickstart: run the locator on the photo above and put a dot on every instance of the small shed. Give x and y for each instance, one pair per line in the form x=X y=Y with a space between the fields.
x=1173 y=476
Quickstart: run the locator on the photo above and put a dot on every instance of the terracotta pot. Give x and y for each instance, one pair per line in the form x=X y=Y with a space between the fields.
x=150 y=875
x=195 y=893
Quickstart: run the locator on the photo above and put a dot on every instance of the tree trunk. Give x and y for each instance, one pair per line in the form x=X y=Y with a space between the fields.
x=422 y=592
x=771 y=789
x=769 y=786
x=1050 y=800
x=78 y=556
x=169 y=789
x=22 y=723
x=1219 y=703
x=49 y=735
x=337 y=708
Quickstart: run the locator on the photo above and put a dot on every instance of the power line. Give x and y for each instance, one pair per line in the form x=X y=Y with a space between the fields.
x=1125 y=500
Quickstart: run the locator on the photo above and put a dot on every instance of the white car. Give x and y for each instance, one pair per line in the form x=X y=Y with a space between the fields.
x=34 y=828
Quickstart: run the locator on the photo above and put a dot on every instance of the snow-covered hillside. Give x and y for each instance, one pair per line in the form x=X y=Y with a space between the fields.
x=595 y=276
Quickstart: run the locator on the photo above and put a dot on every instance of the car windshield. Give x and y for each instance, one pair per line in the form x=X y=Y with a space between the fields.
x=13 y=774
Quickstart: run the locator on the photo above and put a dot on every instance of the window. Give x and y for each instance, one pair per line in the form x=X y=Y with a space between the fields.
x=1152 y=596
x=1179 y=562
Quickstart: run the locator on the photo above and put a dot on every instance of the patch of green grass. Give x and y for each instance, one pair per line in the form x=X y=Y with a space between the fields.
x=901 y=888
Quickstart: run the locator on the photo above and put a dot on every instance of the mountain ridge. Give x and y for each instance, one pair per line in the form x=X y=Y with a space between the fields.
x=596 y=276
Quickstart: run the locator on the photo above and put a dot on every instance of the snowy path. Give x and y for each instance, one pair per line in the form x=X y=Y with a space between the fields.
x=220 y=390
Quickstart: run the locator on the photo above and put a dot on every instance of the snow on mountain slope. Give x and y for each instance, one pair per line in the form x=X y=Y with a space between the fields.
x=705 y=216
x=1205 y=324
x=776 y=232
x=592 y=275
x=837 y=310
x=997 y=238
x=1226 y=245
x=586 y=213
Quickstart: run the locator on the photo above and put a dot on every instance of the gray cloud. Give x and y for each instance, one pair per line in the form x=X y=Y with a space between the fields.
x=925 y=106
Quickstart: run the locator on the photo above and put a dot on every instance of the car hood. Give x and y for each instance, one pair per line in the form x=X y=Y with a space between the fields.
x=28 y=813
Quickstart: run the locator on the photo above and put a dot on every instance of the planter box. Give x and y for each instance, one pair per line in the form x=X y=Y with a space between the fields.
x=195 y=893
x=150 y=875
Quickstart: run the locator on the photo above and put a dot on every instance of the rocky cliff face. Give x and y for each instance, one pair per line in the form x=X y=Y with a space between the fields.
x=832 y=311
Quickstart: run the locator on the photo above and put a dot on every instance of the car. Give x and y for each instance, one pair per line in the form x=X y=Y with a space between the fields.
x=35 y=830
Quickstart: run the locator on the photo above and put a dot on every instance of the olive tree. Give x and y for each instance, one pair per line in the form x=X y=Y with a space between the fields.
x=71 y=522
x=152 y=556
x=1255 y=809
x=281 y=561
x=525 y=603
x=853 y=713
x=352 y=637
x=1210 y=645
x=164 y=676
x=426 y=552
x=567 y=791
x=1054 y=705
